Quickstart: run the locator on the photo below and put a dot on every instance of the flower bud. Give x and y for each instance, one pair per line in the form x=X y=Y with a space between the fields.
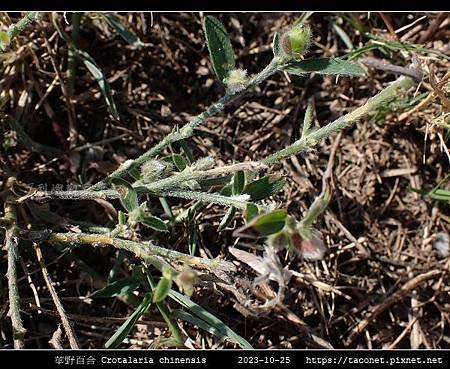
x=296 y=41
x=203 y=164
x=237 y=80
x=152 y=169
x=186 y=281
x=307 y=243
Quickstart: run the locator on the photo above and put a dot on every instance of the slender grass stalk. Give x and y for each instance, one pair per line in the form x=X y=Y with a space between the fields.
x=72 y=63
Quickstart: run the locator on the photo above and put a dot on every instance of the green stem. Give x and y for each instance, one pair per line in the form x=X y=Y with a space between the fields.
x=145 y=251
x=188 y=130
x=155 y=188
x=76 y=17
x=24 y=23
x=239 y=202
x=305 y=143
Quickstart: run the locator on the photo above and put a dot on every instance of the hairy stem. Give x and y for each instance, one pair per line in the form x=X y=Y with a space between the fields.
x=143 y=250
x=155 y=188
x=11 y=246
x=305 y=143
x=24 y=23
x=188 y=130
x=239 y=202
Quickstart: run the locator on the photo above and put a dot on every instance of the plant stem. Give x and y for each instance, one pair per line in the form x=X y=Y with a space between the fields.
x=11 y=246
x=145 y=251
x=76 y=17
x=155 y=188
x=24 y=23
x=68 y=328
x=305 y=143
x=239 y=202
x=188 y=130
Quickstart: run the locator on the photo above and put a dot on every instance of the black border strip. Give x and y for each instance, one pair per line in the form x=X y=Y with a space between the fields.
x=226 y=5
x=210 y=359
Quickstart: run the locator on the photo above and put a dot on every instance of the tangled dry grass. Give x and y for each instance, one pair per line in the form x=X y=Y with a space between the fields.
x=382 y=284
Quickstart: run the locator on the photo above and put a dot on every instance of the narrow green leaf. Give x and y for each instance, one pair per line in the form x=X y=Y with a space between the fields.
x=191 y=225
x=302 y=18
x=128 y=325
x=276 y=48
x=115 y=270
x=96 y=72
x=122 y=218
x=128 y=195
x=440 y=195
x=325 y=66
x=238 y=182
x=154 y=223
x=343 y=36
x=227 y=219
x=188 y=317
x=263 y=187
x=209 y=318
x=165 y=312
x=219 y=46
x=445 y=218
x=123 y=31
x=116 y=288
x=263 y=225
x=162 y=289
x=135 y=173
x=436 y=194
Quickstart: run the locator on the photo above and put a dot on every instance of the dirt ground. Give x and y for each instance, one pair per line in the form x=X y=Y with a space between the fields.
x=382 y=283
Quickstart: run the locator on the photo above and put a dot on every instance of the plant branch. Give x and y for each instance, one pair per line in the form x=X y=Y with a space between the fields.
x=154 y=188
x=11 y=246
x=305 y=143
x=143 y=250
x=73 y=340
x=239 y=202
x=188 y=130
x=24 y=23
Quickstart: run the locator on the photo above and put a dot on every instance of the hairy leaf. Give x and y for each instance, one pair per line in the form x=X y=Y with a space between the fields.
x=219 y=45
x=154 y=223
x=263 y=188
x=128 y=195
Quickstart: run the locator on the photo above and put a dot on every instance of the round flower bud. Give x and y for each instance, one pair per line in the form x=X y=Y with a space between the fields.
x=237 y=80
x=152 y=169
x=295 y=42
x=186 y=281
